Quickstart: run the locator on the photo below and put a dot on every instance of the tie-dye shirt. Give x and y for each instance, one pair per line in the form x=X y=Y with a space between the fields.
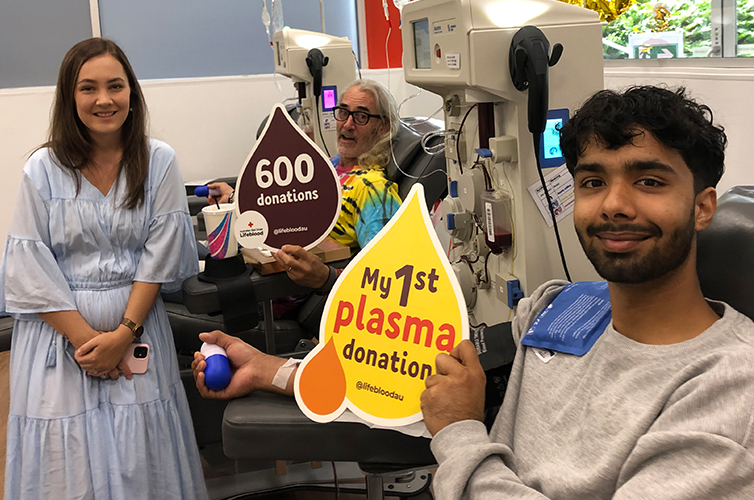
x=369 y=201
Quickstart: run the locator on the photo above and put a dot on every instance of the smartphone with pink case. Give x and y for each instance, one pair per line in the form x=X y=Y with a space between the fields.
x=137 y=358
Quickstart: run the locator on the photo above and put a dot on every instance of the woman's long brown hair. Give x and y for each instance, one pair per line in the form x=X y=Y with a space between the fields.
x=69 y=138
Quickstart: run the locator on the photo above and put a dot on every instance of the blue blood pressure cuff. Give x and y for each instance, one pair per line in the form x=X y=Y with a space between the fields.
x=574 y=321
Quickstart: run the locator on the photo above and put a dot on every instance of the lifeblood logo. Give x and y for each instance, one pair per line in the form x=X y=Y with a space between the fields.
x=251 y=229
x=290 y=186
x=395 y=307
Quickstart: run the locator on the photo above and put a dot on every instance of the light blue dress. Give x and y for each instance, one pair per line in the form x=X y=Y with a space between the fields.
x=70 y=435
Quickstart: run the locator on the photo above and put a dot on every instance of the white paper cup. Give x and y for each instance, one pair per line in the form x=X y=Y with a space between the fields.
x=221 y=235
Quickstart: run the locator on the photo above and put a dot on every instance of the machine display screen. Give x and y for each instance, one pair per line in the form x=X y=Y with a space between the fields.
x=551 y=139
x=329 y=97
x=422 y=51
x=550 y=154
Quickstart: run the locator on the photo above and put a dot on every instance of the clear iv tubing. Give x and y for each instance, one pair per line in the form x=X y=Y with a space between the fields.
x=430 y=150
x=437 y=148
x=387 y=62
x=387 y=40
x=395 y=162
x=277 y=15
x=419 y=122
x=387 y=54
x=280 y=89
x=266 y=23
x=404 y=101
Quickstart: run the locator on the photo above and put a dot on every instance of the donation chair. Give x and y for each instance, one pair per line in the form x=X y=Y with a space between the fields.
x=274 y=423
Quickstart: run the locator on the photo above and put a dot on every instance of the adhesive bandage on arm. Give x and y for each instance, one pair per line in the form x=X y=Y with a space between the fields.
x=280 y=380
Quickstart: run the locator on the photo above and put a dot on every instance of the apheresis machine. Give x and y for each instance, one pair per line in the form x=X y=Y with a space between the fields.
x=510 y=72
x=321 y=67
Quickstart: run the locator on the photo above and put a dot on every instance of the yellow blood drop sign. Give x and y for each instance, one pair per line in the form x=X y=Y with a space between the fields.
x=394 y=308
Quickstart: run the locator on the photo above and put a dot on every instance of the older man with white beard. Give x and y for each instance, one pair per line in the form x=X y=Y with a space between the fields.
x=366 y=121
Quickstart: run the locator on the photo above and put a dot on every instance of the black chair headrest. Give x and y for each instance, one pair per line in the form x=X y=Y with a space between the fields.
x=725 y=259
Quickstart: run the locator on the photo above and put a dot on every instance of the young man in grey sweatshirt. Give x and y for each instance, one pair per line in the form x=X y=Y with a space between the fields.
x=661 y=406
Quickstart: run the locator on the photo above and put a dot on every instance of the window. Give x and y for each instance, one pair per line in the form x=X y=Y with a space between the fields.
x=162 y=38
x=197 y=38
x=651 y=29
x=34 y=37
x=745 y=28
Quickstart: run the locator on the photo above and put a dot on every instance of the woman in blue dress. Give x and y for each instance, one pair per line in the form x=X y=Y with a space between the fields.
x=101 y=226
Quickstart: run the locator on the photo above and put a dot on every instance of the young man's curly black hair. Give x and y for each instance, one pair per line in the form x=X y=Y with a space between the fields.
x=612 y=119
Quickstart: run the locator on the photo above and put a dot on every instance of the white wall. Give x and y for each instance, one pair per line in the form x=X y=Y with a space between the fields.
x=212 y=122
x=726 y=90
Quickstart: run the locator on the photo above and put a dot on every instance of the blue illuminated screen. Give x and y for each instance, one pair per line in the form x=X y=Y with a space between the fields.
x=549 y=153
x=551 y=139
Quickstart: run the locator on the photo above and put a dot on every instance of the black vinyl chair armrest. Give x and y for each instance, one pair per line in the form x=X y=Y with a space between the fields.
x=260 y=422
x=202 y=298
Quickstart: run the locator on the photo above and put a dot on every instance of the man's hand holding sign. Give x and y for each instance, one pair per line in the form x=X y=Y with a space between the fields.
x=303 y=267
x=395 y=307
x=456 y=391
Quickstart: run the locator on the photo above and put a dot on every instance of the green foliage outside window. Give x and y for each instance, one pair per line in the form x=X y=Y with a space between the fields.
x=745 y=22
x=693 y=18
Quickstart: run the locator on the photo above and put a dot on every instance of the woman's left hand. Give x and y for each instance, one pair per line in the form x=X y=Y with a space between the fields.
x=102 y=355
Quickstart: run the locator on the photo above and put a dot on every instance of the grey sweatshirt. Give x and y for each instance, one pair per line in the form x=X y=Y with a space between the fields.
x=624 y=421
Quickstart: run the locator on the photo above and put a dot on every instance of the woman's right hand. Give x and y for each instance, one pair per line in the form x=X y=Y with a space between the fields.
x=75 y=329
x=225 y=192
x=103 y=355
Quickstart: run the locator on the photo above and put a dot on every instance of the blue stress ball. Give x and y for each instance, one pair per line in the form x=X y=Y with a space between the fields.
x=217 y=372
x=204 y=191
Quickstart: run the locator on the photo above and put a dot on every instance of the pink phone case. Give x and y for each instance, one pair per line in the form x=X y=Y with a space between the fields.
x=137 y=358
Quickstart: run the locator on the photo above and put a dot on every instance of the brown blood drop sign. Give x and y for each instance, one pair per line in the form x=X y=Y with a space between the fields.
x=288 y=191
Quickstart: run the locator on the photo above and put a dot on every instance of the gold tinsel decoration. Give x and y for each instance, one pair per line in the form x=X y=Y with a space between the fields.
x=662 y=17
x=609 y=10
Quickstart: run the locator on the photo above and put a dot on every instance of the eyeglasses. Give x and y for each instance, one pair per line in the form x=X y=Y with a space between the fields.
x=359 y=117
